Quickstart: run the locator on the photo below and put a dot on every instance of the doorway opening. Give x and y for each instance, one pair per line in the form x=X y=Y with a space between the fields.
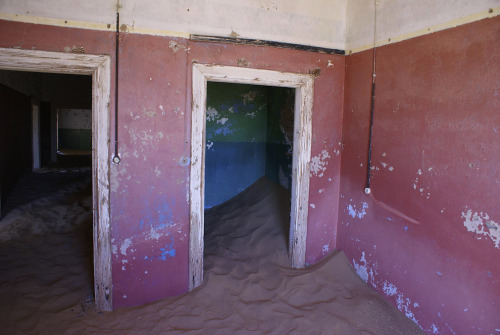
x=249 y=135
x=302 y=86
x=43 y=143
x=38 y=115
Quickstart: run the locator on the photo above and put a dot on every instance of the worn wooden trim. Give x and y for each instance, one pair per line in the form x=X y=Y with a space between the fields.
x=248 y=41
x=99 y=68
x=197 y=180
x=101 y=87
x=301 y=158
x=300 y=173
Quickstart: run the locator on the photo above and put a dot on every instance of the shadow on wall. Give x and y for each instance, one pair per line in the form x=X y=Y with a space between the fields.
x=249 y=134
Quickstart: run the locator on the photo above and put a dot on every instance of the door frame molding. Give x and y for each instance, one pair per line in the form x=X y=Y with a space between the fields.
x=303 y=85
x=99 y=68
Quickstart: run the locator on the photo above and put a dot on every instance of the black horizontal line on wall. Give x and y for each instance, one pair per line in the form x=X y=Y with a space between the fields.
x=246 y=41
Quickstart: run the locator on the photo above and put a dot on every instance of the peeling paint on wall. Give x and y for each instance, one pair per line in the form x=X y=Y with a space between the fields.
x=364 y=271
x=481 y=225
x=176 y=47
x=359 y=213
x=404 y=304
x=319 y=163
x=125 y=245
x=423 y=191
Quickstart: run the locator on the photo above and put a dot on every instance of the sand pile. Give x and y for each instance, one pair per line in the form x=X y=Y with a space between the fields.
x=46 y=281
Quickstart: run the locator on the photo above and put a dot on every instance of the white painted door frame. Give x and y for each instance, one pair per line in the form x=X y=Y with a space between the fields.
x=303 y=85
x=99 y=68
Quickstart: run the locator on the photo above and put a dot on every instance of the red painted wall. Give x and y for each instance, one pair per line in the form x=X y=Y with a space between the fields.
x=436 y=159
x=149 y=189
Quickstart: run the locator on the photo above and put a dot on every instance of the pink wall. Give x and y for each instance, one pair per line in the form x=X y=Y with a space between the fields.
x=436 y=159
x=149 y=189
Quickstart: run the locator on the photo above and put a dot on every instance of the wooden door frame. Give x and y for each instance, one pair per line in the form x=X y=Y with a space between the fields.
x=303 y=85
x=99 y=68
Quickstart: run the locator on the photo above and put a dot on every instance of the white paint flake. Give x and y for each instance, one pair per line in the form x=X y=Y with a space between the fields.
x=403 y=304
x=312 y=205
x=153 y=234
x=212 y=114
x=361 y=268
x=435 y=329
x=330 y=64
x=391 y=168
x=390 y=289
x=162 y=109
x=223 y=120
x=248 y=97
x=326 y=248
x=209 y=145
x=359 y=213
x=481 y=225
x=319 y=163
x=364 y=271
x=125 y=245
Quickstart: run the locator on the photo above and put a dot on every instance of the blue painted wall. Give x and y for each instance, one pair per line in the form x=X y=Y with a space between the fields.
x=244 y=139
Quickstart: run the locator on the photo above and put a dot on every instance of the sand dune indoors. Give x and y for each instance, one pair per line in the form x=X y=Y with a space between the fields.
x=249 y=288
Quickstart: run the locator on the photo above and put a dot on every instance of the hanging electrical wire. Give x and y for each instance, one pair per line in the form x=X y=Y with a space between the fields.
x=372 y=102
x=116 y=158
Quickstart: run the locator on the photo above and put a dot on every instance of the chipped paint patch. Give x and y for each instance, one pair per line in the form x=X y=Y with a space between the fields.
x=364 y=271
x=402 y=303
x=330 y=64
x=319 y=163
x=389 y=289
x=248 y=97
x=359 y=213
x=153 y=234
x=361 y=268
x=184 y=161
x=125 y=245
x=176 y=47
x=157 y=171
x=114 y=248
x=167 y=251
x=326 y=248
x=481 y=225
x=212 y=114
x=223 y=120
x=424 y=191
x=312 y=205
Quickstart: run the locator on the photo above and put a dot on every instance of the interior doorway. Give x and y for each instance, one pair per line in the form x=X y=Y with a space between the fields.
x=99 y=68
x=249 y=135
x=303 y=86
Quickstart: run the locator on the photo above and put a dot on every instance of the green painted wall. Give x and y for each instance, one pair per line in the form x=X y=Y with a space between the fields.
x=244 y=139
x=74 y=129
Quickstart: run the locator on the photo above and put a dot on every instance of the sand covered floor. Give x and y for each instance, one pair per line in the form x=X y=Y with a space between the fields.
x=46 y=276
